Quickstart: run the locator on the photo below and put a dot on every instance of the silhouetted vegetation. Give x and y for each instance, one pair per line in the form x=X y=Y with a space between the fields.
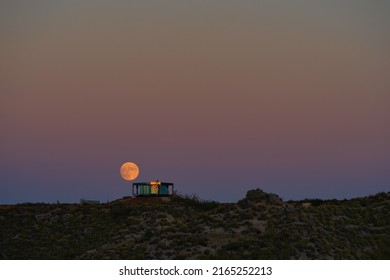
x=260 y=226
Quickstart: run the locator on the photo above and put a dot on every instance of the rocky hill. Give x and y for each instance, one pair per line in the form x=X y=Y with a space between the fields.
x=260 y=226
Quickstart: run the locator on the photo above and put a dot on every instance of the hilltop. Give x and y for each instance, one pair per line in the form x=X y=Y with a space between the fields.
x=260 y=226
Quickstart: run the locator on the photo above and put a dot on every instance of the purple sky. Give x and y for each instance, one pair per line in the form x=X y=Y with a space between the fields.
x=216 y=96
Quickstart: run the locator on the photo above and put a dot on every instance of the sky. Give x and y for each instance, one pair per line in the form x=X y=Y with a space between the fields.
x=218 y=97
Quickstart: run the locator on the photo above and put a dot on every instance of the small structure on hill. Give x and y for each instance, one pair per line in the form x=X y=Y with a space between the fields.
x=154 y=188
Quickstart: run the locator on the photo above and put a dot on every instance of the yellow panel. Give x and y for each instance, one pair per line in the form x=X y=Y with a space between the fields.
x=154 y=189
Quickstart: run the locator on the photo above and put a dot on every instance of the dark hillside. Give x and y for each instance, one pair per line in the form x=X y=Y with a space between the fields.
x=260 y=226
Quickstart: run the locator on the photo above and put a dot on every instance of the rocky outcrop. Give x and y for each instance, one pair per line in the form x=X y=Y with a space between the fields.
x=258 y=196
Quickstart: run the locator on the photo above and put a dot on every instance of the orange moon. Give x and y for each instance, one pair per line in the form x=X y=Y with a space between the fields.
x=129 y=171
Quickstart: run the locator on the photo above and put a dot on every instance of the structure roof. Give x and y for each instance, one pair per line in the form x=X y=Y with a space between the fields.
x=148 y=183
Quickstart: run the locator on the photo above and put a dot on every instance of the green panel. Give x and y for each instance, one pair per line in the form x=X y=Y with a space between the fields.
x=144 y=190
x=164 y=190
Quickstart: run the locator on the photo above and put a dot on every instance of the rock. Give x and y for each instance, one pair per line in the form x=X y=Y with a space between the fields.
x=91 y=252
x=54 y=219
x=274 y=199
x=87 y=230
x=43 y=217
x=16 y=236
x=67 y=217
x=258 y=196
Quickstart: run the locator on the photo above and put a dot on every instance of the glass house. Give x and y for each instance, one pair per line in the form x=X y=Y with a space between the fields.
x=154 y=188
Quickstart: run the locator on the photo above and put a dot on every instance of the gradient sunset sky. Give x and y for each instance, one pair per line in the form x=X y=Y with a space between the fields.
x=216 y=96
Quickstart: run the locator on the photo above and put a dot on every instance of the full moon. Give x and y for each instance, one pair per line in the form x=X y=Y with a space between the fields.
x=129 y=171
